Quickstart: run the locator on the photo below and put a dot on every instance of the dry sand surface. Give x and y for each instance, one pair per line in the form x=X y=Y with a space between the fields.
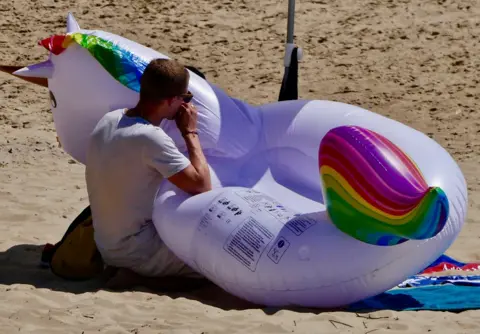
x=415 y=61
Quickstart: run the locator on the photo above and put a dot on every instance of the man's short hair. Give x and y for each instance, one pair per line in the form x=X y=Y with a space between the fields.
x=163 y=78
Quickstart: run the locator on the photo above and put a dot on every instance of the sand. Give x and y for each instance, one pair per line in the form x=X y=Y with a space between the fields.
x=414 y=61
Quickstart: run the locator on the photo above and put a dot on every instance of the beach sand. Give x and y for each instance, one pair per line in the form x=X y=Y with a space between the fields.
x=414 y=61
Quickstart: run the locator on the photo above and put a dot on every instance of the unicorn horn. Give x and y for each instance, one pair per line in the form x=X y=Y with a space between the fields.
x=40 y=70
x=72 y=24
x=12 y=69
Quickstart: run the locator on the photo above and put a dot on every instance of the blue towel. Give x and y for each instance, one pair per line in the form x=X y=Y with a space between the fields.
x=424 y=292
x=440 y=297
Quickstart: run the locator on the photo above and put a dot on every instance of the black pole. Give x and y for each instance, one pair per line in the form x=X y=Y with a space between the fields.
x=289 y=88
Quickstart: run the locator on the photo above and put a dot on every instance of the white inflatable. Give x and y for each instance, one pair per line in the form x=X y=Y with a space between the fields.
x=315 y=203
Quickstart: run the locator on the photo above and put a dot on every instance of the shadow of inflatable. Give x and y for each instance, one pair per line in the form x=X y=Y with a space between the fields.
x=20 y=264
x=385 y=301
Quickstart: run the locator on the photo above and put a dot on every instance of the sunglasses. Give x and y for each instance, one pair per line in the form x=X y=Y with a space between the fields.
x=187 y=97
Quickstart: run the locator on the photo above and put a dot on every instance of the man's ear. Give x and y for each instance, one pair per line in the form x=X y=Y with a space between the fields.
x=169 y=100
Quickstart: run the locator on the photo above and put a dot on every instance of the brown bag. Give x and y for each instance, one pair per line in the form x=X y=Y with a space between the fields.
x=75 y=256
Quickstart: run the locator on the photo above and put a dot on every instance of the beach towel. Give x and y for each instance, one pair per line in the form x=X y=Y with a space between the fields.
x=448 y=297
x=426 y=292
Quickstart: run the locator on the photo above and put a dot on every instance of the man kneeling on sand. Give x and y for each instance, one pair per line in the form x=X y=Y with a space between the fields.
x=128 y=157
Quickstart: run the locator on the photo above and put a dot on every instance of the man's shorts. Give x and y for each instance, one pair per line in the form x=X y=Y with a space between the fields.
x=147 y=255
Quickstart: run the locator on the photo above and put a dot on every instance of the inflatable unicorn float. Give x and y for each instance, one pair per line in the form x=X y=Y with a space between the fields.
x=315 y=203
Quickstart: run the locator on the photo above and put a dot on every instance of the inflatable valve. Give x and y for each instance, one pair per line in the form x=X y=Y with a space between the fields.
x=374 y=192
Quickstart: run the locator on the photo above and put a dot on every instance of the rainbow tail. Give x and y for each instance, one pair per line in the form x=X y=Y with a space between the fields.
x=374 y=192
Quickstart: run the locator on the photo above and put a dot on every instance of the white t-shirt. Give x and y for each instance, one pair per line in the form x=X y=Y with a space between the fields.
x=127 y=159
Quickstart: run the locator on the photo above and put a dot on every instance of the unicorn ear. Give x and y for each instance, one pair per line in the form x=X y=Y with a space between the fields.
x=72 y=24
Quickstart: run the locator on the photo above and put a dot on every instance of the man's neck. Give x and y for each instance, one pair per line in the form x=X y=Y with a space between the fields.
x=146 y=112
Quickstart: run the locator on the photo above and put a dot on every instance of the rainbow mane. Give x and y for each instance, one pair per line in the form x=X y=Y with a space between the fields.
x=123 y=65
x=375 y=192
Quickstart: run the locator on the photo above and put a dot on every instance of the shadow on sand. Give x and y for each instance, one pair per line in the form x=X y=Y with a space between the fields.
x=21 y=265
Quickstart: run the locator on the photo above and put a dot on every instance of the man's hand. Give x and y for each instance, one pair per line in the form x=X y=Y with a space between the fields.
x=194 y=179
x=186 y=118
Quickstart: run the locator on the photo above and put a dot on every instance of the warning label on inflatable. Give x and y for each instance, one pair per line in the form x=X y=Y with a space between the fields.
x=300 y=224
x=250 y=223
x=247 y=242
x=278 y=249
x=265 y=203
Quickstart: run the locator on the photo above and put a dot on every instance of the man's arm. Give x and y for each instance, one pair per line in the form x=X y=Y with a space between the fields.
x=194 y=179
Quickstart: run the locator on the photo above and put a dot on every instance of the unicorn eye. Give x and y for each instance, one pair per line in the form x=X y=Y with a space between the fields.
x=53 y=101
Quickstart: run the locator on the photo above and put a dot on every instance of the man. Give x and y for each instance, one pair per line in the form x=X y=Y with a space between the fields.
x=128 y=157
